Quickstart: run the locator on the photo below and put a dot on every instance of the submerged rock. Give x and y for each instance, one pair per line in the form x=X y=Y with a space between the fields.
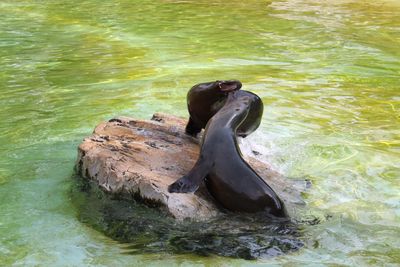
x=141 y=230
x=139 y=158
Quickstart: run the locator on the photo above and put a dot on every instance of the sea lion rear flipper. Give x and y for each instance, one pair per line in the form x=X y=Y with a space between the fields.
x=190 y=182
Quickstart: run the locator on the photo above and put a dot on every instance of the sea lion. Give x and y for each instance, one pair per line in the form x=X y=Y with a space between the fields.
x=205 y=99
x=228 y=177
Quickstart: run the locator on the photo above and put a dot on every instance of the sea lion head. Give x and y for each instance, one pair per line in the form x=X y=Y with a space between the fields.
x=216 y=88
x=228 y=86
x=237 y=100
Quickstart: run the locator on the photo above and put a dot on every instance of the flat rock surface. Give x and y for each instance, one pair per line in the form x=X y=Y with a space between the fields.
x=140 y=158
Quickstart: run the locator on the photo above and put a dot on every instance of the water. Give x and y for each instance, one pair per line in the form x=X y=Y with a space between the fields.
x=327 y=72
x=151 y=231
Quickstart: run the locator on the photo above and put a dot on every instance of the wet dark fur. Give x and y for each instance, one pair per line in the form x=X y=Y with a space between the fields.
x=230 y=179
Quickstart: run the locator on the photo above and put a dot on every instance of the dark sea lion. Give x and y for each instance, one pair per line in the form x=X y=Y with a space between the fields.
x=229 y=178
x=205 y=99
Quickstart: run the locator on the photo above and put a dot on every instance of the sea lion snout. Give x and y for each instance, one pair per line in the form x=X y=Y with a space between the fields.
x=229 y=86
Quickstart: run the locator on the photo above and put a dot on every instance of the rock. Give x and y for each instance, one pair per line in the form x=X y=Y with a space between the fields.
x=140 y=158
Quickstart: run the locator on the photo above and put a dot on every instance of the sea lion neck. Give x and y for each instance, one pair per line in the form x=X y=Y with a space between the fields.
x=234 y=111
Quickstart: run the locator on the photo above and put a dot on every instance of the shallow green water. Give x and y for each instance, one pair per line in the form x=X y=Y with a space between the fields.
x=328 y=74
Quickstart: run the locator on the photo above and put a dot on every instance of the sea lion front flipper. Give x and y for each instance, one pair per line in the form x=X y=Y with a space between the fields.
x=192 y=129
x=190 y=182
x=183 y=185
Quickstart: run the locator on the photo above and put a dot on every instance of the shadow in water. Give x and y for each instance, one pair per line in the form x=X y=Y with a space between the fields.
x=149 y=230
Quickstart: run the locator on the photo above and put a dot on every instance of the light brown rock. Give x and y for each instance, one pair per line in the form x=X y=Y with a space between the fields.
x=140 y=158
